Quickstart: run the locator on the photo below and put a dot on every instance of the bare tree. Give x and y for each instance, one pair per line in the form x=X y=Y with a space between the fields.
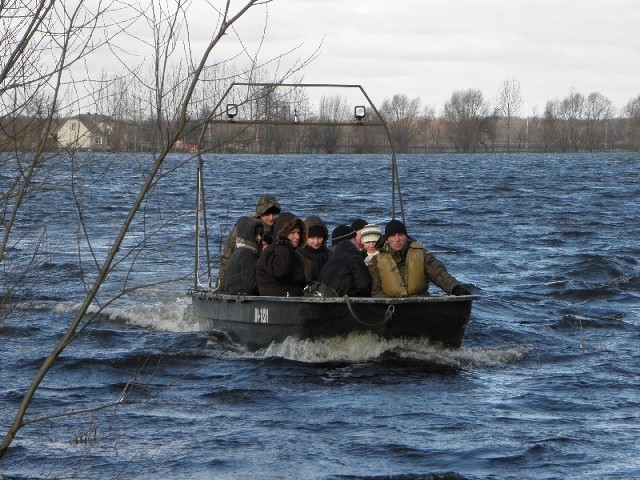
x=402 y=117
x=40 y=43
x=632 y=112
x=172 y=88
x=467 y=117
x=598 y=112
x=509 y=104
x=572 y=109
x=553 y=124
x=333 y=108
x=563 y=122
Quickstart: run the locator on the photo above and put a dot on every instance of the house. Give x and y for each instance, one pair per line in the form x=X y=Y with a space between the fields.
x=86 y=132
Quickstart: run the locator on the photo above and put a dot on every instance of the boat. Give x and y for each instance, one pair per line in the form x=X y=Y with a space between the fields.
x=255 y=322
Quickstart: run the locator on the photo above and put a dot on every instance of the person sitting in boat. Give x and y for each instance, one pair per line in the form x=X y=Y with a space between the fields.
x=341 y=232
x=267 y=210
x=279 y=269
x=358 y=224
x=369 y=237
x=315 y=253
x=346 y=272
x=404 y=267
x=241 y=271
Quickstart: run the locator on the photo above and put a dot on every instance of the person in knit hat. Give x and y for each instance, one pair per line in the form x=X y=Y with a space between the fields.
x=315 y=253
x=267 y=210
x=369 y=237
x=405 y=268
x=341 y=233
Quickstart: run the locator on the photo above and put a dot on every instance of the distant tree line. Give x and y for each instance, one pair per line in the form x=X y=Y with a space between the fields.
x=468 y=123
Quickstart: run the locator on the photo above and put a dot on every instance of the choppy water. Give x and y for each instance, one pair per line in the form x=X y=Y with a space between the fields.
x=546 y=386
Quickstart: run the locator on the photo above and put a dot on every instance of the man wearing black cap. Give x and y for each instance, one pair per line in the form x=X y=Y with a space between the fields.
x=267 y=210
x=341 y=233
x=404 y=267
x=346 y=273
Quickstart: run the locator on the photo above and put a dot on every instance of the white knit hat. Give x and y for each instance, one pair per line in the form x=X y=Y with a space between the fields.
x=370 y=233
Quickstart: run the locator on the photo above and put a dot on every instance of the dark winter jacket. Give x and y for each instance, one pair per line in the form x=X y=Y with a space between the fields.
x=241 y=270
x=346 y=272
x=314 y=259
x=264 y=203
x=280 y=270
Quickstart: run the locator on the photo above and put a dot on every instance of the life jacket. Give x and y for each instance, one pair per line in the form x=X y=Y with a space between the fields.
x=414 y=282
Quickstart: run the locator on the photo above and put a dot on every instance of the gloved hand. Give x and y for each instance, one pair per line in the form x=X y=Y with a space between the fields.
x=460 y=290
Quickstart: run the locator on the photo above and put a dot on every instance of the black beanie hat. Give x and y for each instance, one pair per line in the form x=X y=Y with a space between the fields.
x=393 y=227
x=340 y=233
x=316 y=231
x=358 y=224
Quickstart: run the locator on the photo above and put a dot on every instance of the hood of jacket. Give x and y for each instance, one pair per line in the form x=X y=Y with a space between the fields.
x=246 y=231
x=286 y=222
x=315 y=221
x=265 y=203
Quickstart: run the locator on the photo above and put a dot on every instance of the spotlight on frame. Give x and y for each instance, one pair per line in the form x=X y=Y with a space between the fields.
x=232 y=111
x=359 y=112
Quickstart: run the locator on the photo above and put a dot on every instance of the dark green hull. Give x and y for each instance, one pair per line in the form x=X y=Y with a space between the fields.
x=256 y=322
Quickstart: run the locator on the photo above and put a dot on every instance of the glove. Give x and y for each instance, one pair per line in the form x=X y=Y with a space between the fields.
x=460 y=290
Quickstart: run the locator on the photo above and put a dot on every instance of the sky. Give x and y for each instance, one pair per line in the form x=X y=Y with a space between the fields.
x=431 y=48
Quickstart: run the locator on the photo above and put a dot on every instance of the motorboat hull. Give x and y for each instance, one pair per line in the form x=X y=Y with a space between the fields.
x=257 y=321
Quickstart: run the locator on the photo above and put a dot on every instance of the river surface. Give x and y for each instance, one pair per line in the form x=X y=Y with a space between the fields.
x=546 y=385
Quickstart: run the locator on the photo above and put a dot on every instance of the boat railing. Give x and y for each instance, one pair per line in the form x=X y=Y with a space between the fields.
x=212 y=295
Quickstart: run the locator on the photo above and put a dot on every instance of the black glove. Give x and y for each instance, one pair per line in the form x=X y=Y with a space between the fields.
x=460 y=290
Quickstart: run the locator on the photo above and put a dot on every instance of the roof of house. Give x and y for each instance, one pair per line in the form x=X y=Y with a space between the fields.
x=93 y=122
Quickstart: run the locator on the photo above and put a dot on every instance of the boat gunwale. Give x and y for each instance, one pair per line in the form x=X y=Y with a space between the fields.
x=224 y=297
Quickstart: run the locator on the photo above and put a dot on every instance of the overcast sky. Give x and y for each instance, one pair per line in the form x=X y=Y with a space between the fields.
x=430 y=48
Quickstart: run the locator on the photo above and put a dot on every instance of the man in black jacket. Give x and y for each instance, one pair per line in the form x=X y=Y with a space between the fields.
x=346 y=272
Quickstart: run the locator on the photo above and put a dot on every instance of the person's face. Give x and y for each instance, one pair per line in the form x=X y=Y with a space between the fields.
x=259 y=234
x=269 y=218
x=359 y=243
x=370 y=247
x=397 y=241
x=315 y=242
x=294 y=237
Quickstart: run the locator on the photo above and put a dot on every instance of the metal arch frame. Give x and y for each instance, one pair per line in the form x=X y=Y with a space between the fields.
x=200 y=201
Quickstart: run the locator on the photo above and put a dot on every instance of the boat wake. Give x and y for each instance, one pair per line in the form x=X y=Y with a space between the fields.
x=365 y=347
x=167 y=314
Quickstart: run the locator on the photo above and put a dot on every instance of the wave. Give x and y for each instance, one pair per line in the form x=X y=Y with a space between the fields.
x=162 y=316
x=367 y=347
x=157 y=313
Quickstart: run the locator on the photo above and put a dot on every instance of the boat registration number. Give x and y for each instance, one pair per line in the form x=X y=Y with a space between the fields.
x=261 y=315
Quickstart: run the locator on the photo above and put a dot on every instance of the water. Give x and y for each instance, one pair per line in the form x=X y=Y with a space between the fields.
x=545 y=386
